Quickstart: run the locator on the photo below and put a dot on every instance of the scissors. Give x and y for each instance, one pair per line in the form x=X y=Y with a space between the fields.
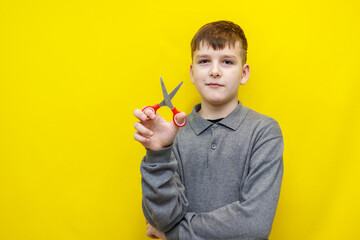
x=167 y=102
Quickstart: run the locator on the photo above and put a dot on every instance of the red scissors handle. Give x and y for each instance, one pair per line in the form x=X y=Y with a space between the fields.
x=154 y=108
x=176 y=112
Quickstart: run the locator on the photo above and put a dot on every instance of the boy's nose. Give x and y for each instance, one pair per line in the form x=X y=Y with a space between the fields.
x=215 y=72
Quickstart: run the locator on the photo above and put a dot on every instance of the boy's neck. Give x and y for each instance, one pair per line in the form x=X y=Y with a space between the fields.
x=209 y=111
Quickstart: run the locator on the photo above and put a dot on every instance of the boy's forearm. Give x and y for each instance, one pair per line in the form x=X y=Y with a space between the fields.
x=164 y=201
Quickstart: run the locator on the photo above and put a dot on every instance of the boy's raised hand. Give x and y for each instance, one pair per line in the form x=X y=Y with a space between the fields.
x=153 y=131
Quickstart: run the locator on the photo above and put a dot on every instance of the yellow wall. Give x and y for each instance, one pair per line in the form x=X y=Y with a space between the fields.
x=71 y=73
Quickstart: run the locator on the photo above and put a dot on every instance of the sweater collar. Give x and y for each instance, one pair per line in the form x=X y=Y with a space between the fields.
x=232 y=121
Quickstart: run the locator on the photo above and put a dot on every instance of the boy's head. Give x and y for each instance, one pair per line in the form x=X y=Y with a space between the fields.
x=217 y=35
x=219 y=65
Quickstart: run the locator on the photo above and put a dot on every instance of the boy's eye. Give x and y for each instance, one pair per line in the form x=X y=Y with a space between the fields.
x=202 y=61
x=228 y=62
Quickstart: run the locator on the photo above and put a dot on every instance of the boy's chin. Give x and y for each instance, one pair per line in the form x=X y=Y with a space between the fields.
x=220 y=101
x=216 y=102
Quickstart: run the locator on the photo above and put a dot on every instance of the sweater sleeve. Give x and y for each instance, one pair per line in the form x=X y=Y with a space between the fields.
x=251 y=217
x=164 y=202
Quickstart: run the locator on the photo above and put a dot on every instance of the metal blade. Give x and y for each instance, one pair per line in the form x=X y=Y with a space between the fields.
x=165 y=94
x=172 y=94
x=167 y=99
x=163 y=103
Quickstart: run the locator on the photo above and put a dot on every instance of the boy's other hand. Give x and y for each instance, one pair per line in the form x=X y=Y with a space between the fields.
x=151 y=232
x=153 y=131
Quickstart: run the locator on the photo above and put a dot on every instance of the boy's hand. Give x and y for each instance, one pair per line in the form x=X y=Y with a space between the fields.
x=153 y=131
x=151 y=232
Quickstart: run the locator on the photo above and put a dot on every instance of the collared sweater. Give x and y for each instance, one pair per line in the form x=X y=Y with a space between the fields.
x=217 y=180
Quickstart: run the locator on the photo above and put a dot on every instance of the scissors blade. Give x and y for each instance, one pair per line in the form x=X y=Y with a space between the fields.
x=165 y=94
x=167 y=99
x=172 y=94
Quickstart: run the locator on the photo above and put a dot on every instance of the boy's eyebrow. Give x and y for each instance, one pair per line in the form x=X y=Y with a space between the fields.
x=230 y=56
x=206 y=56
x=202 y=55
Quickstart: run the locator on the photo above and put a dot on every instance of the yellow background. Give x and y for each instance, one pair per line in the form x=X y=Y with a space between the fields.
x=71 y=73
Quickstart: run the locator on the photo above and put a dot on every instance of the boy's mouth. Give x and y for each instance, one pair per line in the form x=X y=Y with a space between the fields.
x=214 y=85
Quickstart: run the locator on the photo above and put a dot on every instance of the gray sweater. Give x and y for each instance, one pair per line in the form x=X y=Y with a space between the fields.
x=218 y=180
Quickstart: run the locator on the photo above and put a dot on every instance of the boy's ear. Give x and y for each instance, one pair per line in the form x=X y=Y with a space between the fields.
x=245 y=74
x=191 y=73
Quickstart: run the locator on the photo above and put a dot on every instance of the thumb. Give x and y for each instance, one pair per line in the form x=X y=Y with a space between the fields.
x=180 y=119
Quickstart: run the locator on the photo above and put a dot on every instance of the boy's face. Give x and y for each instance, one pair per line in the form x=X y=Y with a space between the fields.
x=217 y=74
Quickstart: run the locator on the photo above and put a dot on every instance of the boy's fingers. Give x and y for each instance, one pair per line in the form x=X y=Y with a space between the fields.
x=151 y=232
x=150 y=113
x=180 y=118
x=141 y=129
x=141 y=138
x=140 y=115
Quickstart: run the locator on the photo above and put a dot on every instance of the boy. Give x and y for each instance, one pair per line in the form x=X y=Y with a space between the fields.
x=219 y=177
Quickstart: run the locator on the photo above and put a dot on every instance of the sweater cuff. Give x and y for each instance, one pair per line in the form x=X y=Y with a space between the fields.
x=158 y=156
x=173 y=234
